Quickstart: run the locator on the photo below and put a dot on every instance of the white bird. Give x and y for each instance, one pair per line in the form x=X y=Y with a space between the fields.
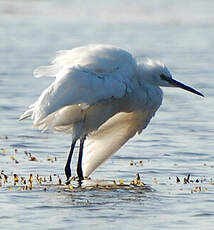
x=103 y=97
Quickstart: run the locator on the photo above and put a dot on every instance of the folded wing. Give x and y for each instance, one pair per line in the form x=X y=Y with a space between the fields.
x=78 y=86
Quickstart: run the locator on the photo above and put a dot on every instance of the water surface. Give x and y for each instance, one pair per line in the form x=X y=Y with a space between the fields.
x=178 y=141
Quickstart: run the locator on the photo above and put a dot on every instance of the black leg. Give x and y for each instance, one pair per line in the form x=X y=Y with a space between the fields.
x=68 y=163
x=79 y=164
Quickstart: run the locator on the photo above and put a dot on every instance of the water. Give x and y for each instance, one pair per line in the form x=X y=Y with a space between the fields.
x=178 y=141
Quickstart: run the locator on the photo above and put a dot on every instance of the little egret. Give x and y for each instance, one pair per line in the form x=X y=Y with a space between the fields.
x=103 y=97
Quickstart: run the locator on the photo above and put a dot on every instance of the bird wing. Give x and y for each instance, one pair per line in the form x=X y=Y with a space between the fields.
x=96 y=57
x=101 y=144
x=78 y=86
x=84 y=76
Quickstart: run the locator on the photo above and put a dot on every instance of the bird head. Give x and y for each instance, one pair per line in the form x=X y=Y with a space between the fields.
x=156 y=73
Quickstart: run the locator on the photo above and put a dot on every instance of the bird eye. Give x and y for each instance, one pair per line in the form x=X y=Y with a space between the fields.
x=163 y=77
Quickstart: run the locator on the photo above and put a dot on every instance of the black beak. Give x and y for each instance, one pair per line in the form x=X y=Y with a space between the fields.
x=182 y=86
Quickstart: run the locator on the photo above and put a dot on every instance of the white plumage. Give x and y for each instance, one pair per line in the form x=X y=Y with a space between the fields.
x=100 y=92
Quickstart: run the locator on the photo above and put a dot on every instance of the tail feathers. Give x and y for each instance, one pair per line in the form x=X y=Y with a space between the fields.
x=42 y=124
x=26 y=114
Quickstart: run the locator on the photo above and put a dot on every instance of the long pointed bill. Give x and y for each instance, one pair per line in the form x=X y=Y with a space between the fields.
x=182 y=86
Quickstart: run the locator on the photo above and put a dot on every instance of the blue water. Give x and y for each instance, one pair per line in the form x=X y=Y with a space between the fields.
x=178 y=141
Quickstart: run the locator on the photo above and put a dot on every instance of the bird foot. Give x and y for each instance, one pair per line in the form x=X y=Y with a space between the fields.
x=68 y=181
x=80 y=181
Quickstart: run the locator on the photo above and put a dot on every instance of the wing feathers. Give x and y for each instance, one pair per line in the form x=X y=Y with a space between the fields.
x=49 y=71
x=77 y=86
x=101 y=144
